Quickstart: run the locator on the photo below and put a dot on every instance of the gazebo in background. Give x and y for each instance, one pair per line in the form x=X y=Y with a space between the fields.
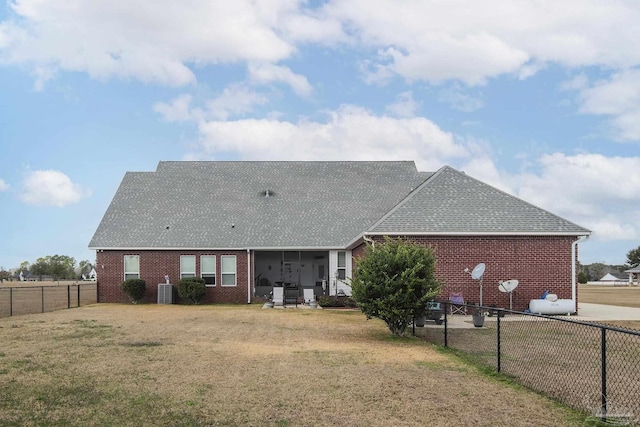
x=635 y=270
x=609 y=278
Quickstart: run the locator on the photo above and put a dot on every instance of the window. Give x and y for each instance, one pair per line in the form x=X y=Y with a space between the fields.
x=228 y=267
x=187 y=266
x=208 y=269
x=131 y=267
x=342 y=265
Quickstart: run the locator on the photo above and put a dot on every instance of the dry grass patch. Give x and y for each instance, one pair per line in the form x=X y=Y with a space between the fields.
x=628 y=324
x=240 y=365
x=622 y=296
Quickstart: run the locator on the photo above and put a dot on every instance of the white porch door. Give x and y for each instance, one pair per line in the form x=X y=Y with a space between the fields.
x=340 y=265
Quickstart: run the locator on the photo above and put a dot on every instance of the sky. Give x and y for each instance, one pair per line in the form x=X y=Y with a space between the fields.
x=538 y=98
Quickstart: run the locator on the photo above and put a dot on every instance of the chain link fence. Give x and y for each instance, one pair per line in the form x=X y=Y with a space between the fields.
x=15 y=301
x=594 y=368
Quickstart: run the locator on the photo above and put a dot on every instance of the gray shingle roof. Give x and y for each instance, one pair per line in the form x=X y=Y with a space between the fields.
x=223 y=204
x=451 y=202
x=217 y=205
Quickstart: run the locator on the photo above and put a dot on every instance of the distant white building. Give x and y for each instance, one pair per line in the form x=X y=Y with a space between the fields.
x=91 y=276
x=634 y=271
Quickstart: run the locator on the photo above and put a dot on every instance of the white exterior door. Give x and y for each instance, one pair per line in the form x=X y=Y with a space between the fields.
x=340 y=265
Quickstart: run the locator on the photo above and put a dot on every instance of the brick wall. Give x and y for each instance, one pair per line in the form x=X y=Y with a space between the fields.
x=538 y=262
x=153 y=267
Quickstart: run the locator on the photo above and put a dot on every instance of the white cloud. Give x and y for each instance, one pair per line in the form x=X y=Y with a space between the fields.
x=160 y=41
x=50 y=188
x=235 y=100
x=178 y=110
x=474 y=41
x=348 y=133
x=153 y=41
x=268 y=73
x=597 y=192
x=458 y=100
x=617 y=97
x=447 y=57
x=405 y=105
x=609 y=227
x=42 y=76
x=3 y=185
x=579 y=82
x=530 y=69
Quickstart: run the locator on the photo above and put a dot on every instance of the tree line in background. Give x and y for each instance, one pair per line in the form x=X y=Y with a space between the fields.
x=595 y=271
x=58 y=267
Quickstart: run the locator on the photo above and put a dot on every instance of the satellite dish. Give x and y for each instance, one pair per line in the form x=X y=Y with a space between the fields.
x=478 y=271
x=476 y=274
x=507 y=285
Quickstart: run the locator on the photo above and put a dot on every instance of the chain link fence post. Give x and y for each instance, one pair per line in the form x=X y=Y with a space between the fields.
x=603 y=352
x=498 y=340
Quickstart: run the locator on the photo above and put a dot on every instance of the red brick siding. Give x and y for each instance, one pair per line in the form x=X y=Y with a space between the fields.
x=538 y=262
x=153 y=267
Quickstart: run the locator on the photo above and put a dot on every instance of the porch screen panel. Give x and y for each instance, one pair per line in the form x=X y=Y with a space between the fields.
x=228 y=267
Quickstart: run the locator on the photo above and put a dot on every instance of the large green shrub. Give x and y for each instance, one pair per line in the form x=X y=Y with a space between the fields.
x=134 y=288
x=582 y=277
x=394 y=282
x=192 y=289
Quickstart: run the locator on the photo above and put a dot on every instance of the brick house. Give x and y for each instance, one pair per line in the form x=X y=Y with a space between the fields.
x=246 y=227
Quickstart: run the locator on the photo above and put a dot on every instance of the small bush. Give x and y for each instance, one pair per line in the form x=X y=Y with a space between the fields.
x=582 y=277
x=333 y=301
x=134 y=288
x=192 y=289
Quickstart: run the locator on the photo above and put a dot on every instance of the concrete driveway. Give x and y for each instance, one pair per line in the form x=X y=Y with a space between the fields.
x=601 y=312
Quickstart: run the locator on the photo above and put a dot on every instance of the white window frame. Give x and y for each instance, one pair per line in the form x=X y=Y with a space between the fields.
x=131 y=272
x=204 y=274
x=184 y=273
x=224 y=273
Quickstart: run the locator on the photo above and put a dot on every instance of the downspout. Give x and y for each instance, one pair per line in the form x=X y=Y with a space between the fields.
x=574 y=245
x=248 y=276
